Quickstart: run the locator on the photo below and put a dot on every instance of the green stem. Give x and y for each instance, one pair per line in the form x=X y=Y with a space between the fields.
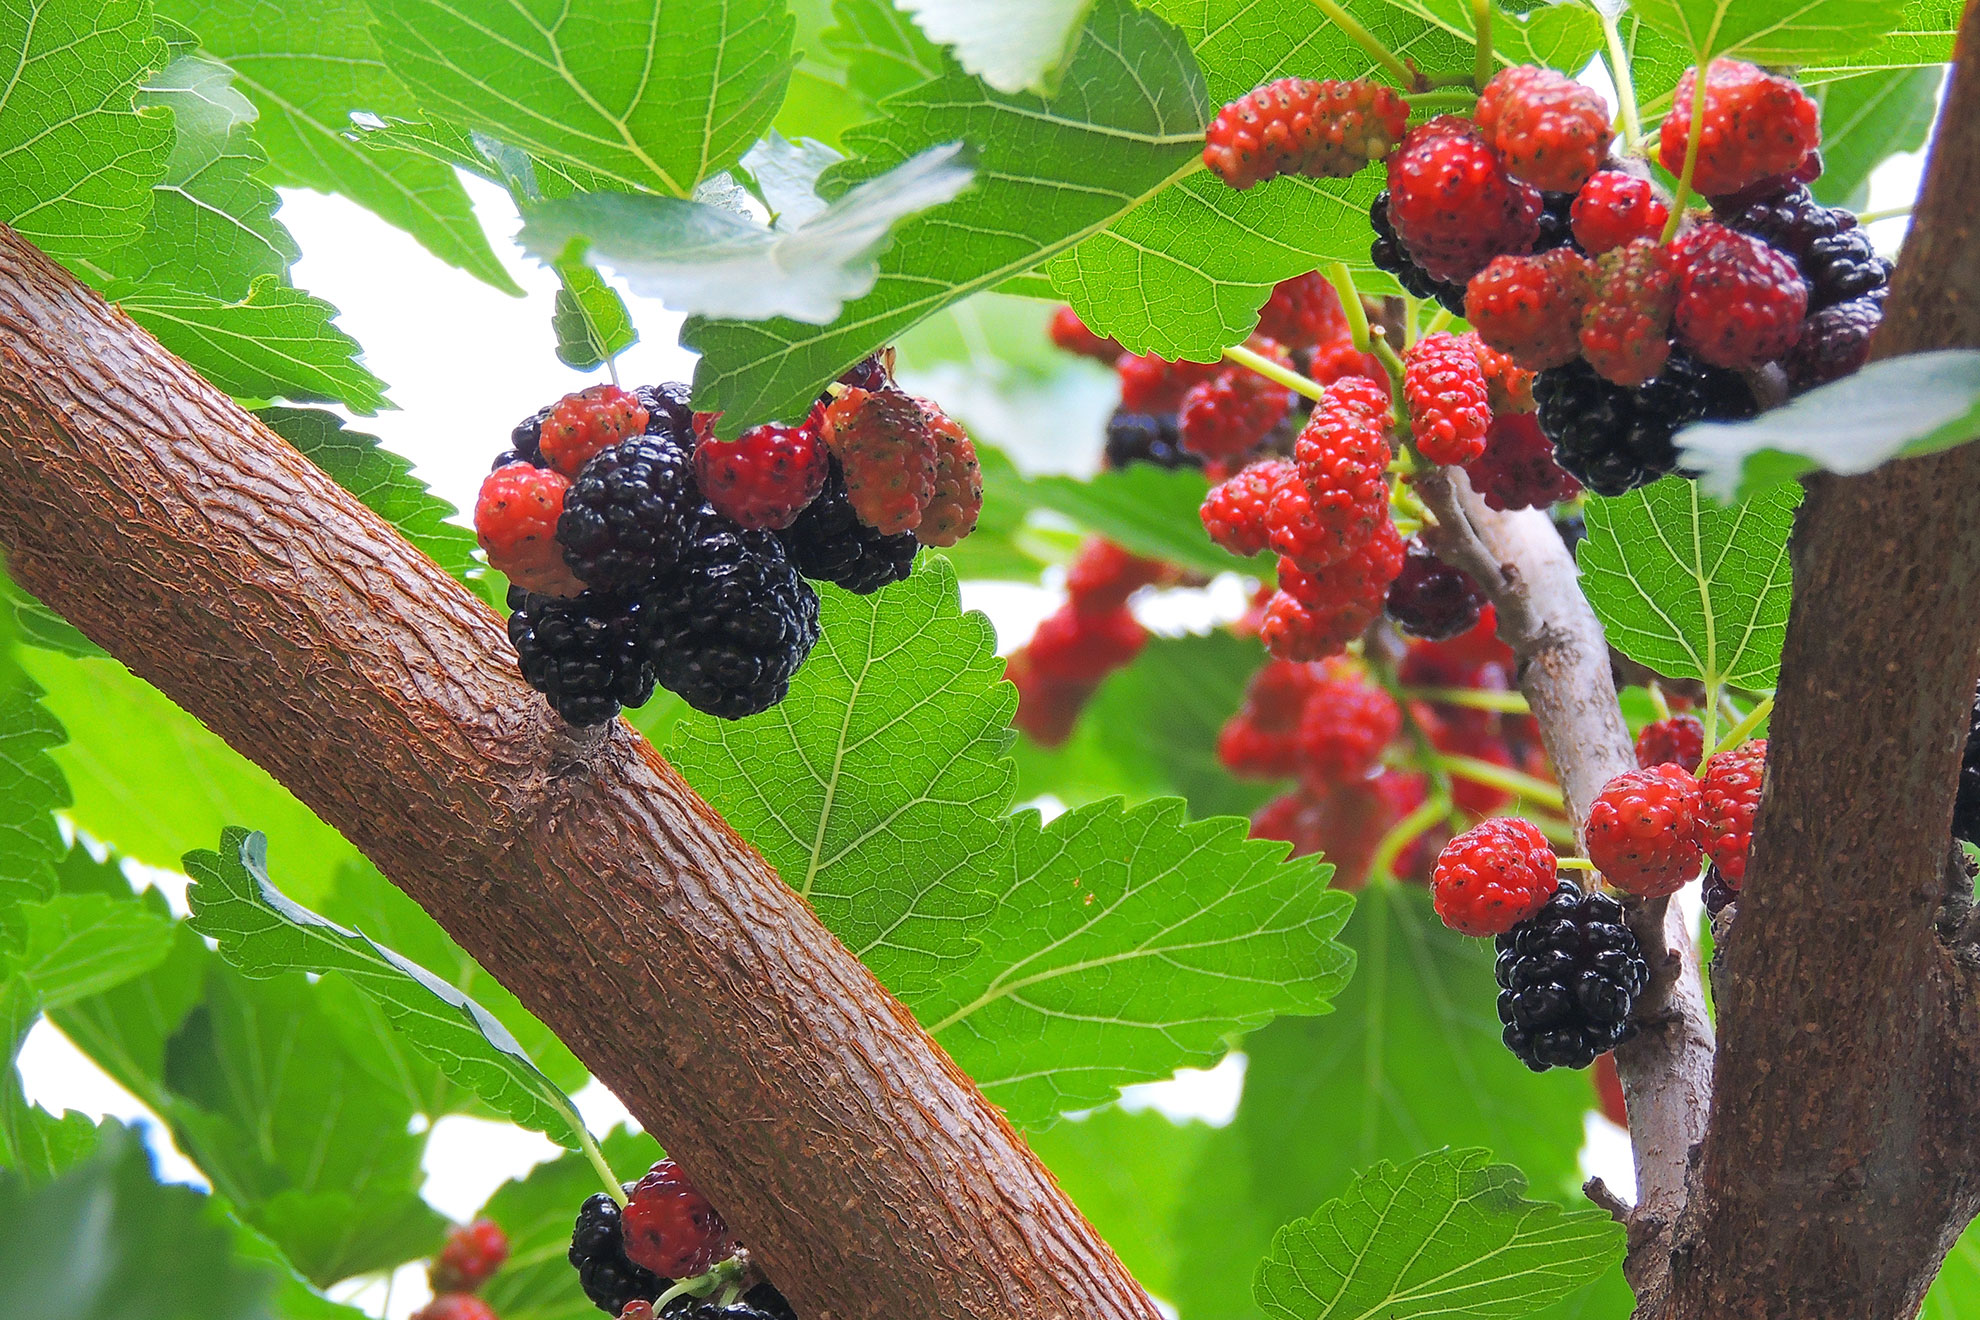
x=1379 y=346
x=1696 y=136
x=1743 y=730
x=1273 y=371
x=1574 y=864
x=1362 y=37
x=1456 y=98
x=1342 y=279
x=701 y=1285
x=1710 y=716
x=1888 y=213
x=1619 y=74
x=1504 y=778
x=1443 y=320
x=1506 y=703
x=1403 y=833
x=1481 y=24
x=597 y=1159
x=1658 y=702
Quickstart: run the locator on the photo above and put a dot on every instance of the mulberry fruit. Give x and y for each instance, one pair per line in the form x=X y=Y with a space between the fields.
x=764 y=477
x=829 y=543
x=1451 y=202
x=1326 y=129
x=515 y=522
x=1431 y=599
x=1447 y=396
x=1739 y=303
x=598 y=1253
x=1529 y=308
x=626 y=514
x=581 y=425
x=1568 y=978
x=1493 y=876
x=583 y=654
x=1625 y=326
x=1755 y=125
x=1552 y=131
x=1614 y=438
x=887 y=450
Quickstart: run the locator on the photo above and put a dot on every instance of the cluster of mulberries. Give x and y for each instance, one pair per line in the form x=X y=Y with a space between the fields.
x=1566 y=259
x=470 y=1256
x=643 y=550
x=1084 y=640
x=627 y=1255
x=1343 y=740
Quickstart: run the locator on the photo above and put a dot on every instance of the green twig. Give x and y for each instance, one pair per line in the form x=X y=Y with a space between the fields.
x=1625 y=82
x=1402 y=834
x=1506 y=703
x=1456 y=98
x=1888 y=213
x=1342 y=279
x=597 y=1159
x=1743 y=730
x=1504 y=778
x=1574 y=864
x=1275 y=372
x=1481 y=25
x=1379 y=346
x=1362 y=37
x=1696 y=135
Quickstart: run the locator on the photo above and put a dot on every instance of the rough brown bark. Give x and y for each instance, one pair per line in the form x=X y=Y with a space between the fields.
x=1565 y=675
x=866 y=1173
x=1840 y=1165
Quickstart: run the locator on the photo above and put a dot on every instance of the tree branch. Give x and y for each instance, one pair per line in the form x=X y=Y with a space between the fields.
x=1840 y=1164
x=1563 y=659
x=866 y=1173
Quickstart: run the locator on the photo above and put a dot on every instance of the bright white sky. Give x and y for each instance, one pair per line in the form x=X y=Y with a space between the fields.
x=465 y=363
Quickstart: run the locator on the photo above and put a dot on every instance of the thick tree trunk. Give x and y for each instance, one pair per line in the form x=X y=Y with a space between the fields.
x=864 y=1170
x=1840 y=1162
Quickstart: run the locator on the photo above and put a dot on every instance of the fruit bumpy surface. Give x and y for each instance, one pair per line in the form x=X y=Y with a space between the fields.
x=1740 y=303
x=764 y=477
x=1613 y=438
x=469 y=1258
x=1452 y=204
x=1517 y=469
x=1529 y=308
x=583 y=653
x=1625 y=327
x=1729 y=798
x=1493 y=876
x=1568 y=977
x=1449 y=409
x=626 y=515
x=1679 y=740
x=888 y=453
x=1614 y=207
x=957 y=500
x=1387 y=253
x=827 y=542
x=731 y=625
x=1643 y=830
x=1327 y=129
x=1431 y=599
x=515 y=523
x=598 y=1254
x=580 y=425
x=669 y=1226
x=1755 y=125
x=1552 y=131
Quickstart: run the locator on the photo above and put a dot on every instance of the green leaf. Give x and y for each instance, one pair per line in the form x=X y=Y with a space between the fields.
x=264 y=1095
x=1782 y=32
x=878 y=788
x=31 y=623
x=1128 y=122
x=156 y=783
x=655 y=96
x=1129 y=942
x=1897 y=407
x=710 y=261
x=881 y=48
x=382 y=480
x=276 y=342
x=1409 y=1061
x=213 y=229
x=1690 y=589
x=1013 y=45
x=77 y=157
x=264 y=934
x=106 y=1241
x=32 y=789
x=1955 y=1294
x=1129 y=1174
x=34 y=1143
x=307 y=68
x=79 y=945
x=1924 y=35
x=535 y=1212
x=590 y=322
x=1866 y=119
x=1185 y=274
x=1117 y=751
x=1448 y=1234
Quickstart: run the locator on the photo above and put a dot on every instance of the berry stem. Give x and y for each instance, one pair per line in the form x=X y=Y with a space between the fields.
x=1410 y=308
x=1502 y=777
x=1693 y=138
x=1625 y=82
x=1272 y=371
x=1454 y=98
x=1710 y=718
x=1342 y=279
x=1362 y=37
x=1441 y=319
x=1506 y=703
x=1481 y=24
x=1658 y=701
x=1574 y=864
x=1381 y=866
x=1887 y=213
x=597 y=1159
x=701 y=1285
x=1379 y=346
x=1743 y=730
